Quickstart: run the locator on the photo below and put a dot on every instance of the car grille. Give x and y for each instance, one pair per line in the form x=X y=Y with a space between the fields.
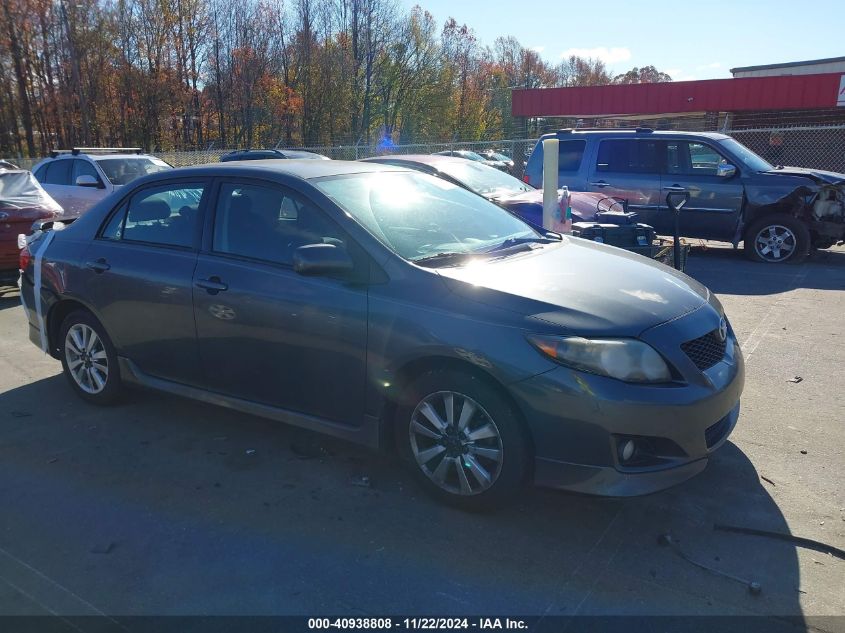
x=705 y=351
x=715 y=433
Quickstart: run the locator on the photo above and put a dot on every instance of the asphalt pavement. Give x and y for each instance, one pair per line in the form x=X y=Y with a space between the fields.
x=165 y=506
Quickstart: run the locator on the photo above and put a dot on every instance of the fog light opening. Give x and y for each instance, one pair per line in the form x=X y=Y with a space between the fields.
x=627 y=450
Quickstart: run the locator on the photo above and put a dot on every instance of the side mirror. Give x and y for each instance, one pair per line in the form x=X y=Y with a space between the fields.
x=321 y=259
x=86 y=180
x=725 y=170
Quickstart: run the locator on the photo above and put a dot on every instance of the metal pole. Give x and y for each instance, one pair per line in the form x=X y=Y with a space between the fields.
x=676 y=209
x=676 y=244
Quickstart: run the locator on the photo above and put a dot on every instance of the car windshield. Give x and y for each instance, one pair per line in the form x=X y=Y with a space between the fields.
x=497 y=156
x=420 y=216
x=470 y=155
x=752 y=160
x=121 y=171
x=483 y=179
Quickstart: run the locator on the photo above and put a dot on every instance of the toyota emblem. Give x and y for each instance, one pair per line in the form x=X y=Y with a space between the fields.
x=723 y=330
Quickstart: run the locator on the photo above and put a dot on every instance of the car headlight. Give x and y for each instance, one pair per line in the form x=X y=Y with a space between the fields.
x=623 y=358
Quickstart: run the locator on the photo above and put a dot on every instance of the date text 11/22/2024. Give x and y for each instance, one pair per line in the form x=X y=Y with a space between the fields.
x=421 y=623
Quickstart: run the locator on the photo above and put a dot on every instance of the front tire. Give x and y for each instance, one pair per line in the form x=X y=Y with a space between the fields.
x=777 y=239
x=463 y=441
x=89 y=360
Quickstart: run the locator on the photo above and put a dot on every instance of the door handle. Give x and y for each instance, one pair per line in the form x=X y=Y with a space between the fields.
x=98 y=265
x=674 y=188
x=600 y=184
x=212 y=285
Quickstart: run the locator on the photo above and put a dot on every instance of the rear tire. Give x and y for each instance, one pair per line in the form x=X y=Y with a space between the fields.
x=89 y=359
x=776 y=239
x=462 y=439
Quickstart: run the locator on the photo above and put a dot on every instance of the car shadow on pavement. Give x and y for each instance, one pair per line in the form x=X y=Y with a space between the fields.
x=165 y=506
x=727 y=271
x=9 y=297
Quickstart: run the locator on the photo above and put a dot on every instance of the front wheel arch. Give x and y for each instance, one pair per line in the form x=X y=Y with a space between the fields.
x=508 y=428
x=410 y=371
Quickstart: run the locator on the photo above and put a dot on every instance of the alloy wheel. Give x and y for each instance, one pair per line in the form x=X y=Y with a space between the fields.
x=456 y=443
x=86 y=358
x=775 y=243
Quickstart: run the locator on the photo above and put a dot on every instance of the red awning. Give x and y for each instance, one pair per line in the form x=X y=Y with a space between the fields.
x=789 y=92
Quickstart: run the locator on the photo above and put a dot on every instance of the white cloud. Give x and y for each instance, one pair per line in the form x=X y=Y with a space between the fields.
x=713 y=65
x=607 y=55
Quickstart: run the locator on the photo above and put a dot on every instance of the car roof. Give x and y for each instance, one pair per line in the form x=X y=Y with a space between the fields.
x=279 y=154
x=305 y=169
x=294 y=153
x=637 y=133
x=271 y=150
x=425 y=159
x=68 y=155
x=99 y=157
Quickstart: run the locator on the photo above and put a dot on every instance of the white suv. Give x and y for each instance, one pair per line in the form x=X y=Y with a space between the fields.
x=79 y=178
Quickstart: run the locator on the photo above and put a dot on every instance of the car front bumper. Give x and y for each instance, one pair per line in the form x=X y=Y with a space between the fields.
x=615 y=482
x=579 y=422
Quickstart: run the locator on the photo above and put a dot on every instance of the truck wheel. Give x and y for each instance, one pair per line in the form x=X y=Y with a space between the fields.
x=776 y=239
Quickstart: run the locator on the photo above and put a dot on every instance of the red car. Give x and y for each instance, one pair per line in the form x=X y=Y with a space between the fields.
x=22 y=202
x=500 y=188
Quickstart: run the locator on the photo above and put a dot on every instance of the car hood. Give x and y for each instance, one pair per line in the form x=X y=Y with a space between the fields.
x=529 y=204
x=820 y=176
x=581 y=287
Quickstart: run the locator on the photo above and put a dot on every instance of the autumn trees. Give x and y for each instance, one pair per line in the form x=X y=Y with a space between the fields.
x=186 y=74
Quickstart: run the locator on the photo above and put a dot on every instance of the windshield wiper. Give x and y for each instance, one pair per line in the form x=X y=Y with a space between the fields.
x=440 y=259
x=519 y=241
x=450 y=257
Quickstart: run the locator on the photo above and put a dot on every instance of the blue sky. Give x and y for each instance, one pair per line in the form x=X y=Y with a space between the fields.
x=689 y=40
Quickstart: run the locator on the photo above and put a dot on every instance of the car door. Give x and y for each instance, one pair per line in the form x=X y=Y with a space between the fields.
x=56 y=180
x=139 y=277
x=628 y=169
x=266 y=333
x=715 y=202
x=86 y=197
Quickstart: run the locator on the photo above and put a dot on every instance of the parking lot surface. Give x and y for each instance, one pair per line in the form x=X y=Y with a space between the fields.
x=166 y=506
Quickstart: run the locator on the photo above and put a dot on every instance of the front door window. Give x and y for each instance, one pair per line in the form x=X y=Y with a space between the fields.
x=267 y=223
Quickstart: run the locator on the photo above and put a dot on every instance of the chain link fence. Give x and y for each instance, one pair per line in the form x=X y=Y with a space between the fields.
x=818 y=147
x=814 y=139
x=518 y=149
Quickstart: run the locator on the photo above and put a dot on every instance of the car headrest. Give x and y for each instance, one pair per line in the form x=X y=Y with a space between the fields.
x=150 y=210
x=240 y=204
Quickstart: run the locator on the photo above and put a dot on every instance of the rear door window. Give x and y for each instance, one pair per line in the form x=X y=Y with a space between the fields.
x=58 y=172
x=570 y=154
x=166 y=215
x=634 y=156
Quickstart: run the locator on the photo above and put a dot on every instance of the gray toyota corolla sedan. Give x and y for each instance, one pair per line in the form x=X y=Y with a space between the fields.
x=391 y=308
